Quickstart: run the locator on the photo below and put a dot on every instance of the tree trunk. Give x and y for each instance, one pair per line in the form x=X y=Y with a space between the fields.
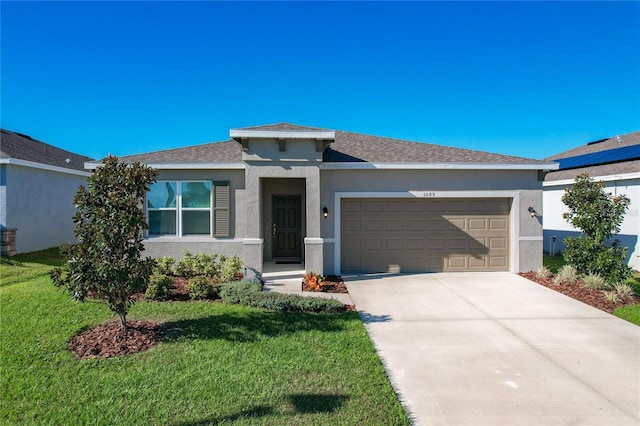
x=123 y=320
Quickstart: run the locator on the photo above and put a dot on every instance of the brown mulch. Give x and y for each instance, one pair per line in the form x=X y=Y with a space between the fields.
x=579 y=292
x=331 y=284
x=109 y=339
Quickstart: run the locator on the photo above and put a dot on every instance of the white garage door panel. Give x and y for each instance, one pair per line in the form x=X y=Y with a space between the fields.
x=418 y=235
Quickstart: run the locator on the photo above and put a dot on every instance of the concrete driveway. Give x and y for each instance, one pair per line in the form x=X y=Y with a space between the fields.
x=497 y=349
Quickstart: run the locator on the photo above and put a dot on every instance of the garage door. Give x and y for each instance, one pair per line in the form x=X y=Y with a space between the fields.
x=424 y=235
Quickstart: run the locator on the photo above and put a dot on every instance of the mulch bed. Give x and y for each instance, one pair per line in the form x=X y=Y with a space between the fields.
x=331 y=284
x=109 y=339
x=579 y=292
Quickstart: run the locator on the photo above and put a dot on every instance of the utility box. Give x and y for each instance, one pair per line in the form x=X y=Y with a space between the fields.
x=8 y=242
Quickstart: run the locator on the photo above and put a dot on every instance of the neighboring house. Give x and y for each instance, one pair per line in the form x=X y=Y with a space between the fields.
x=614 y=161
x=341 y=202
x=37 y=185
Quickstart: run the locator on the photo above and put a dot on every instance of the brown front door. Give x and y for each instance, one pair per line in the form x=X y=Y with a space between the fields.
x=286 y=228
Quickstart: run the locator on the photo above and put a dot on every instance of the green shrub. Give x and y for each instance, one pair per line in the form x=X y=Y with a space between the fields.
x=164 y=265
x=200 y=287
x=185 y=266
x=159 y=287
x=248 y=293
x=200 y=264
x=594 y=282
x=230 y=268
x=566 y=274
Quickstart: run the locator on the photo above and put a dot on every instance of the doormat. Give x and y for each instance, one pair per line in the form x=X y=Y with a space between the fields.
x=287 y=262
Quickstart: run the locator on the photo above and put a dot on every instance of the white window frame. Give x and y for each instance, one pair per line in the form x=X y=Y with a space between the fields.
x=179 y=209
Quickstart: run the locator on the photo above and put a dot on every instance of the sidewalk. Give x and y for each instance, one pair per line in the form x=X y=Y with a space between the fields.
x=288 y=279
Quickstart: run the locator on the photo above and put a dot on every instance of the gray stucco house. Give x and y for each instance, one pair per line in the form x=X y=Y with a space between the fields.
x=342 y=202
x=37 y=185
x=614 y=161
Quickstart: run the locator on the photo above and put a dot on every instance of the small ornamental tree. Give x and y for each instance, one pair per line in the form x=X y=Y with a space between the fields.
x=599 y=216
x=106 y=262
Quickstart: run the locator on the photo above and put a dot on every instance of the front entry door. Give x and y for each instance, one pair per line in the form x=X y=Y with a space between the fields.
x=286 y=228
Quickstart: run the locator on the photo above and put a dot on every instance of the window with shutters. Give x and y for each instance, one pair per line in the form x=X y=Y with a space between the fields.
x=184 y=208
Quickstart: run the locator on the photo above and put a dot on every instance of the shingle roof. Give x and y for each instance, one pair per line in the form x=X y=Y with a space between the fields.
x=594 y=171
x=214 y=152
x=23 y=147
x=603 y=145
x=350 y=147
x=347 y=147
x=608 y=144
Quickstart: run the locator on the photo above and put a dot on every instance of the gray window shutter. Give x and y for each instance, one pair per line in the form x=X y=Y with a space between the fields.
x=221 y=203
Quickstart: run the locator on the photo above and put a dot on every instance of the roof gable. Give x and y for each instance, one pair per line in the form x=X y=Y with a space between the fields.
x=22 y=147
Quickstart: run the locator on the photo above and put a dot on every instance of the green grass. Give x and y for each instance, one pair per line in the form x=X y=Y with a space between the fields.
x=553 y=263
x=219 y=364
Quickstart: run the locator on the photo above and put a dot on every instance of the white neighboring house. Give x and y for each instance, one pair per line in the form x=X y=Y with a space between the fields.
x=616 y=162
x=37 y=185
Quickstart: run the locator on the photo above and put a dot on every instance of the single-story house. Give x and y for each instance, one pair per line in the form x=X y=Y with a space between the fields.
x=341 y=202
x=614 y=161
x=37 y=185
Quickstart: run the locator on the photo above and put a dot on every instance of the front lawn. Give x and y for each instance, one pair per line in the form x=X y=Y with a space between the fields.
x=218 y=364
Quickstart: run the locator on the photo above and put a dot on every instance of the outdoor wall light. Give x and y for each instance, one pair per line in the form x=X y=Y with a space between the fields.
x=325 y=212
x=533 y=212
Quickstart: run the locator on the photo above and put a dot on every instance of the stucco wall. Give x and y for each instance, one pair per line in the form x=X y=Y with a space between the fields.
x=555 y=225
x=39 y=203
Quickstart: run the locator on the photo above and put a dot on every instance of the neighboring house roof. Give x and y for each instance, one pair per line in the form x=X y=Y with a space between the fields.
x=611 y=156
x=17 y=146
x=347 y=147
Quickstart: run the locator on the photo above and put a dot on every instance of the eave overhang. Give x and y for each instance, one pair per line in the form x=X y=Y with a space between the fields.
x=41 y=166
x=181 y=166
x=440 y=166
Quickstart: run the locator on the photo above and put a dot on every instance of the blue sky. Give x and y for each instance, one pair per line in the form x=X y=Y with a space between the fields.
x=529 y=79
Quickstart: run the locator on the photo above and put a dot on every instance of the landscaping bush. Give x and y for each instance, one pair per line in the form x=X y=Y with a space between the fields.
x=200 y=287
x=230 y=268
x=543 y=272
x=608 y=261
x=598 y=215
x=159 y=287
x=221 y=268
x=164 y=265
x=594 y=282
x=566 y=274
x=624 y=290
x=248 y=293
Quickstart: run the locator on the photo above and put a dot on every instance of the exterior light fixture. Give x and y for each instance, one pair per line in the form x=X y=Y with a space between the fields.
x=533 y=212
x=325 y=212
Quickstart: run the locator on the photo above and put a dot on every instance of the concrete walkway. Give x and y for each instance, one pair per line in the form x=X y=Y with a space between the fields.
x=497 y=349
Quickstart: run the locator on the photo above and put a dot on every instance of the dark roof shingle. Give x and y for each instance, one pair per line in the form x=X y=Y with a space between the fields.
x=347 y=147
x=214 y=152
x=610 y=143
x=598 y=169
x=22 y=147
